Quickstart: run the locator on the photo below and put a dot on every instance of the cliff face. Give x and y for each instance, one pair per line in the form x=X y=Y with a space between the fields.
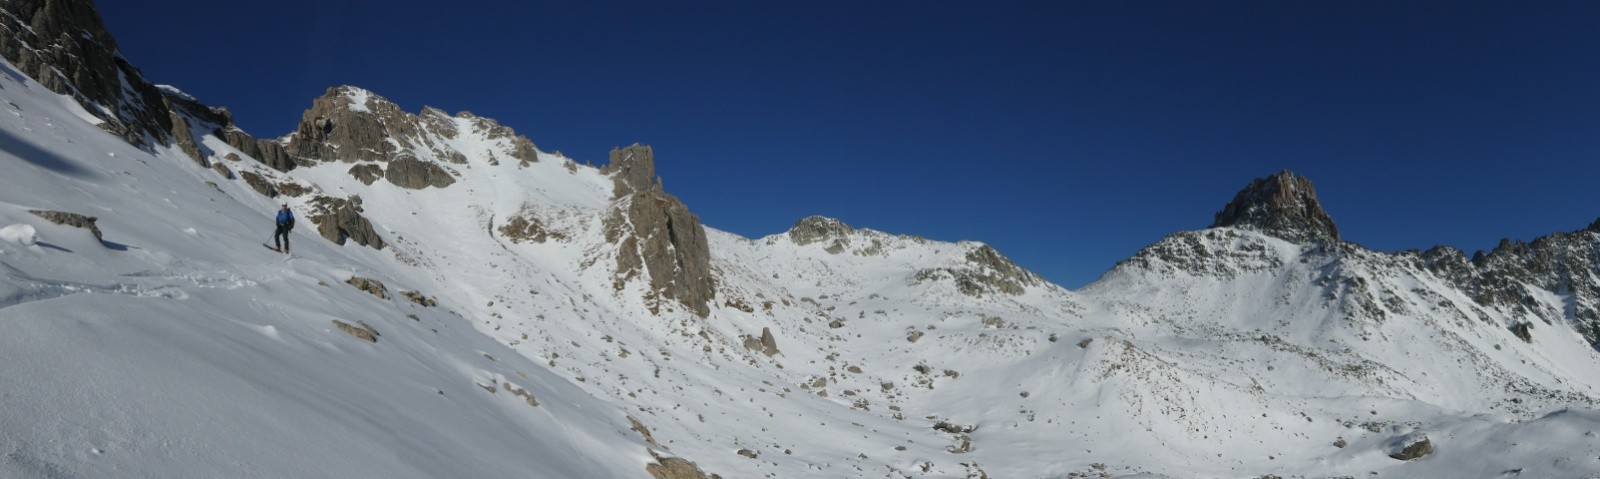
x=656 y=234
x=64 y=45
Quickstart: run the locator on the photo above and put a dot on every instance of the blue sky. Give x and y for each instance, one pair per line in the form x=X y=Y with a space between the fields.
x=1068 y=135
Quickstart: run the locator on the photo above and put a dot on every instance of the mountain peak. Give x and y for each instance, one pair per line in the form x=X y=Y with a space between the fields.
x=1283 y=205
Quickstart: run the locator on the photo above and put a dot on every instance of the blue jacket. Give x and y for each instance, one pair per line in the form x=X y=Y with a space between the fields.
x=285 y=217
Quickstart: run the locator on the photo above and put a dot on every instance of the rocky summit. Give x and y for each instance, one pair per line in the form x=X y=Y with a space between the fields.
x=1283 y=205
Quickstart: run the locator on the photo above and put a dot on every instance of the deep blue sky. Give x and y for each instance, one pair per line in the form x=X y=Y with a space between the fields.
x=1068 y=135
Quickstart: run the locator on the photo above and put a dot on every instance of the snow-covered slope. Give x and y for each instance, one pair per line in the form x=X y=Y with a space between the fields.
x=176 y=347
x=542 y=318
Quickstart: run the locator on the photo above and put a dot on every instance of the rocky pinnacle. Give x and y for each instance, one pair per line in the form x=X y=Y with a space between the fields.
x=1283 y=205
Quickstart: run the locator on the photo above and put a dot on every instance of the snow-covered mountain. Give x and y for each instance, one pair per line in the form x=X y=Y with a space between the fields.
x=461 y=304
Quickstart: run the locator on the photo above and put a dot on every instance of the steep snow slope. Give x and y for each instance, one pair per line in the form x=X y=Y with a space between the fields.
x=177 y=347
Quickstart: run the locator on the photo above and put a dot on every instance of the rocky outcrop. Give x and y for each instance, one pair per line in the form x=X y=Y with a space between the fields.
x=259 y=183
x=1283 y=205
x=339 y=220
x=71 y=219
x=519 y=147
x=269 y=153
x=986 y=272
x=366 y=174
x=526 y=227
x=1510 y=276
x=351 y=125
x=676 y=468
x=633 y=170
x=64 y=45
x=818 y=229
x=409 y=172
x=347 y=124
x=657 y=237
x=371 y=286
x=363 y=331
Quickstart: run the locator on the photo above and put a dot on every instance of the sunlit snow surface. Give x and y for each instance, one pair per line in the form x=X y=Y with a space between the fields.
x=177 y=347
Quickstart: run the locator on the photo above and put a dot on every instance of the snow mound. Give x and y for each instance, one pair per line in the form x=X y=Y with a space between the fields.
x=21 y=234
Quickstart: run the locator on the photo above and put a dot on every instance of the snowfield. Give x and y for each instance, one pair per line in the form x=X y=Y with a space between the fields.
x=173 y=346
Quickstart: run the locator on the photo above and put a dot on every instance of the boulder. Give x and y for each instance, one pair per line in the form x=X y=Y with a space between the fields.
x=1410 y=447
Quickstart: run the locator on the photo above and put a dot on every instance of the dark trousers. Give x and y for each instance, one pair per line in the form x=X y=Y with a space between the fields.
x=282 y=232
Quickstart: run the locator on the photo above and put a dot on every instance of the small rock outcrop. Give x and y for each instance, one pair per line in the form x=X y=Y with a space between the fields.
x=367 y=174
x=420 y=299
x=1283 y=205
x=1411 y=447
x=267 y=152
x=339 y=220
x=409 y=172
x=819 y=229
x=527 y=227
x=812 y=229
x=766 y=344
x=71 y=219
x=676 y=468
x=657 y=236
x=259 y=183
x=1523 y=330
x=362 y=331
x=371 y=286
x=986 y=272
